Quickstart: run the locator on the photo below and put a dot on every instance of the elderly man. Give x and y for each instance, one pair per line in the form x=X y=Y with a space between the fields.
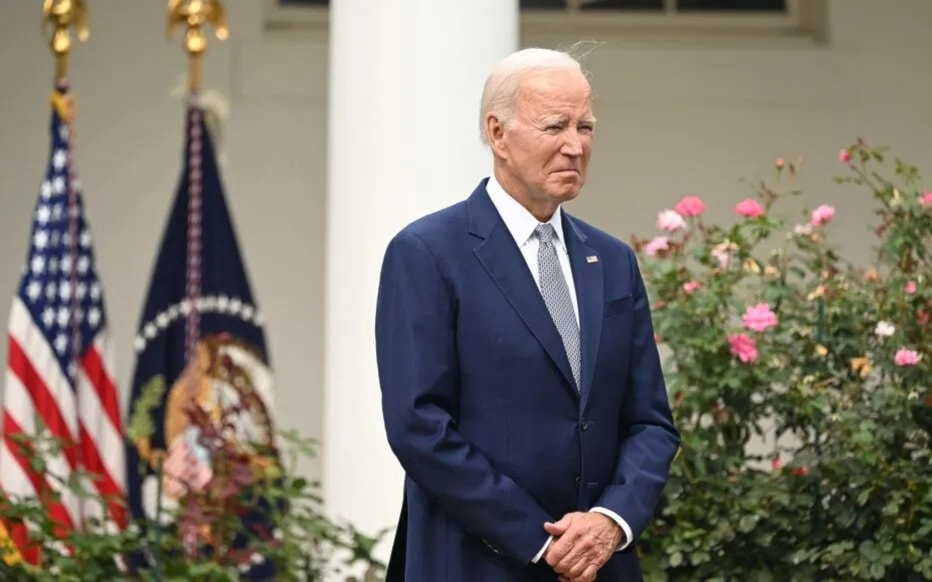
x=521 y=385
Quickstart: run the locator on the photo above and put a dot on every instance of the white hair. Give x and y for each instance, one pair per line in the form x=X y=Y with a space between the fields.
x=500 y=93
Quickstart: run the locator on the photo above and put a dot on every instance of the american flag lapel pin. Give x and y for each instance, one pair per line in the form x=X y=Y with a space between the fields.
x=592 y=259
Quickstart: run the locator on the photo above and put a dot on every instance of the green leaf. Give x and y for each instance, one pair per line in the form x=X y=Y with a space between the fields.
x=747 y=523
x=676 y=559
x=863 y=497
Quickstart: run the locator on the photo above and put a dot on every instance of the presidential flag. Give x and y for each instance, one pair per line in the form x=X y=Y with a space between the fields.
x=60 y=369
x=200 y=345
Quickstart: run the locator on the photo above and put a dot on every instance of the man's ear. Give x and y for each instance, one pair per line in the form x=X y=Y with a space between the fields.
x=495 y=132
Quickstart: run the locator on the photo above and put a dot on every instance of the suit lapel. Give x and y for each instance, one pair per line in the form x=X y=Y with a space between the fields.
x=587 y=277
x=504 y=263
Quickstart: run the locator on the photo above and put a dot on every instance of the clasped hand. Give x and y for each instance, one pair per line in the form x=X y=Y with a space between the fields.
x=582 y=543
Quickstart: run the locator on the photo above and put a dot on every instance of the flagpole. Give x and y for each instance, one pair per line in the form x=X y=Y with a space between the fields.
x=62 y=15
x=195 y=15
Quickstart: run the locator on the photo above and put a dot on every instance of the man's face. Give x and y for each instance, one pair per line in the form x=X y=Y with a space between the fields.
x=546 y=147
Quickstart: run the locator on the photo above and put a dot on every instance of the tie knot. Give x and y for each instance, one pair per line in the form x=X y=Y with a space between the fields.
x=545 y=232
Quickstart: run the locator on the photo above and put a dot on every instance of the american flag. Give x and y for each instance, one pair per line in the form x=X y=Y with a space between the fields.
x=60 y=371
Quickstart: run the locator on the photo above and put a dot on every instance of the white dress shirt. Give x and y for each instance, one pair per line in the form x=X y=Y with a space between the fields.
x=521 y=224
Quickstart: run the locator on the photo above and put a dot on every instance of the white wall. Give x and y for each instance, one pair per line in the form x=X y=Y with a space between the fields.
x=676 y=116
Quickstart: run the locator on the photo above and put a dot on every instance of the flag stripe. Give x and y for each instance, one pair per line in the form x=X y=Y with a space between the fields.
x=17 y=451
x=102 y=479
x=19 y=403
x=17 y=544
x=38 y=353
x=96 y=422
x=113 y=448
x=58 y=511
x=100 y=379
x=104 y=459
x=16 y=483
x=15 y=479
x=43 y=402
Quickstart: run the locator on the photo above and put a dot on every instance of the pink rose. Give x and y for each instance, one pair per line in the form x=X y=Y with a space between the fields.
x=690 y=286
x=780 y=163
x=690 y=206
x=776 y=464
x=670 y=221
x=910 y=287
x=844 y=156
x=759 y=317
x=749 y=208
x=743 y=346
x=905 y=357
x=658 y=244
x=822 y=215
x=926 y=199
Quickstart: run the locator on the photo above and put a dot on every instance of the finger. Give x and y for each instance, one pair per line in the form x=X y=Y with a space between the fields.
x=564 y=578
x=562 y=544
x=589 y=575
x=559 y=549
x=560 y=527
x=580 y=552
x=571 y=548
x=577 y=570
x=575 y=561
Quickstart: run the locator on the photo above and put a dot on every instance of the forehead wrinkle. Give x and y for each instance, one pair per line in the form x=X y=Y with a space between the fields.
x=551 y=118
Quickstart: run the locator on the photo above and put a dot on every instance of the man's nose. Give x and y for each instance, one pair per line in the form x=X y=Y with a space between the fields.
x=572 y=143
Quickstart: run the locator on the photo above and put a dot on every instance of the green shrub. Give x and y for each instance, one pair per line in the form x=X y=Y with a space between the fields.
x=801 y=385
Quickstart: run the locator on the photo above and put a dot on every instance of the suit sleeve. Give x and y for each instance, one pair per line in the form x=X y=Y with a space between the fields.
x=418 y=374
x=649 y=438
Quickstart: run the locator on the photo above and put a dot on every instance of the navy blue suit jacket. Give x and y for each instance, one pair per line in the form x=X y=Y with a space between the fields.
x=481 y=409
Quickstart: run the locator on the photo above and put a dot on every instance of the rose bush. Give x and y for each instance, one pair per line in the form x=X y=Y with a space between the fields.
x=801 y=384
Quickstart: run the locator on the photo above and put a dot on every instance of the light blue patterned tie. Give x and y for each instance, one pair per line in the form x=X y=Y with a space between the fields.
x=557 y=295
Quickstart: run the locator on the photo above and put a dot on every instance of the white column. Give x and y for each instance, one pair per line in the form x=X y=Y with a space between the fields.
x=405 y=82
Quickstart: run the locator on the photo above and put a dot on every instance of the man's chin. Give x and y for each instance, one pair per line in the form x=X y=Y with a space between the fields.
x=564 y=192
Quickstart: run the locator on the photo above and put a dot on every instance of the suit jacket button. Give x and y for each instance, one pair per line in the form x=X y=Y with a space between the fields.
x=584 y=425
x=577 y=481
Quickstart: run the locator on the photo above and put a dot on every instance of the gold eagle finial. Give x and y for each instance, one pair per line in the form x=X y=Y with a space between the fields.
x=61 y=15
x=195 y=14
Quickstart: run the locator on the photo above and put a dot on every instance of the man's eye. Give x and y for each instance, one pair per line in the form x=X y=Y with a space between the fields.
x=554 y=128
x=585 y=128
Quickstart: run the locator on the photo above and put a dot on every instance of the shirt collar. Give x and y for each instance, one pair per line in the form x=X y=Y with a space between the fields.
x=519 y=221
